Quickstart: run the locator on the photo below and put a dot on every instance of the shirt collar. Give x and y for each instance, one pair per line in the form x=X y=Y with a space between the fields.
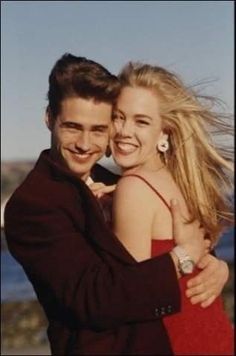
x=89 y=181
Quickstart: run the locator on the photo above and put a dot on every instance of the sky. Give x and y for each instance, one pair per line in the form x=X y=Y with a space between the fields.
x=195 y=39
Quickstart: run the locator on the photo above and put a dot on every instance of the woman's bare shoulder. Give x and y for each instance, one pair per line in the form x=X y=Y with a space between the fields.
x=161 y=180
x=130 y=186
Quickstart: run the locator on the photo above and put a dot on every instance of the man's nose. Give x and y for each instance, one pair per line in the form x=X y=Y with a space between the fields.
x=83 y=141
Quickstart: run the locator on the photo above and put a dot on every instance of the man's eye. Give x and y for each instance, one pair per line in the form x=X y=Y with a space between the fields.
x=70 y=126
x=100 y=129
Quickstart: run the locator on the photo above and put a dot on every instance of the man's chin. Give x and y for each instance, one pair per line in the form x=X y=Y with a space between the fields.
x=81 y=170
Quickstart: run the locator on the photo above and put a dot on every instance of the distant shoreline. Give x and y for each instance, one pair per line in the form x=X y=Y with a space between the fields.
x=38 y=350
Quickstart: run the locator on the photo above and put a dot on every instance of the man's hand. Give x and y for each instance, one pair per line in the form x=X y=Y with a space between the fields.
x=99 y=189
x=188 y=236
x=208 y=284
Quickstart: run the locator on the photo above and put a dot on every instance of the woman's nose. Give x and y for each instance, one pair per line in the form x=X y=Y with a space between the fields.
x=125 y=128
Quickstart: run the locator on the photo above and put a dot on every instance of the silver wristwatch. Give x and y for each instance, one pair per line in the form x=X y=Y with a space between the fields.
x=186 y=264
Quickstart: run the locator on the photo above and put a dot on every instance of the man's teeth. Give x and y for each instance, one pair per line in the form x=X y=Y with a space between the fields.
x=83 y=155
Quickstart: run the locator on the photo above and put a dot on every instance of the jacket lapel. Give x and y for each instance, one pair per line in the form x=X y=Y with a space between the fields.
x=96 y=229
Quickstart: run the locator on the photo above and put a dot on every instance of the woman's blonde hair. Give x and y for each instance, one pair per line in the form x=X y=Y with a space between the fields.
x=202 y=168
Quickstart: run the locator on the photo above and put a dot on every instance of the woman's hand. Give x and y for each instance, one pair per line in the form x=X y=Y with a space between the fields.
x=99 y=189
x=209 y=283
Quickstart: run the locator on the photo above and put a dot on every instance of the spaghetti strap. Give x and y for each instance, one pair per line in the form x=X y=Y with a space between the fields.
x=150 y=186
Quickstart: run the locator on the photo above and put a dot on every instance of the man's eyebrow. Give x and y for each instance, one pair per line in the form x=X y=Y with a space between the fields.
x=66 y=123
x=78 y=125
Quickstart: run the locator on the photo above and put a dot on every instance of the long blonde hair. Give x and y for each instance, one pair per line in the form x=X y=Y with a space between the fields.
x=201 y=166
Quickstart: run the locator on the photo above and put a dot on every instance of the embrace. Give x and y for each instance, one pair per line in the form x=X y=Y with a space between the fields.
x=125 y=264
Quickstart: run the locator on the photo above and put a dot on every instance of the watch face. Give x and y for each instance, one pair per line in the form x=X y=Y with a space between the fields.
x=187 y=266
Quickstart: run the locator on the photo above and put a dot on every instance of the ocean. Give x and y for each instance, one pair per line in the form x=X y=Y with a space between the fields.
x=16 y=287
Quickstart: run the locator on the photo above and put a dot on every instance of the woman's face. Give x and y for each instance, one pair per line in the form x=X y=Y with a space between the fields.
x=136 y=128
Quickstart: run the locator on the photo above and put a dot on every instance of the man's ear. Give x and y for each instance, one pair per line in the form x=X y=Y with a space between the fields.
x=48 y=120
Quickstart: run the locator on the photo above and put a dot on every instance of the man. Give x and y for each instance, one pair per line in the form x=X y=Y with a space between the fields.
x=97 y=298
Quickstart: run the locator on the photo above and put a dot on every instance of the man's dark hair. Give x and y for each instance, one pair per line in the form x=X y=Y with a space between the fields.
x=74 y=76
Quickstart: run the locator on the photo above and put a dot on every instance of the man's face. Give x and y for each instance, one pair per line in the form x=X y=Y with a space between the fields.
x=80 y=134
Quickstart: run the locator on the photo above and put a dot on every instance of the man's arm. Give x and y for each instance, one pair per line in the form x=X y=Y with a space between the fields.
x=75 y=278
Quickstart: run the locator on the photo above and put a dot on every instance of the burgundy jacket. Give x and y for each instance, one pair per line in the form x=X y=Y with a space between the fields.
x=97 y=298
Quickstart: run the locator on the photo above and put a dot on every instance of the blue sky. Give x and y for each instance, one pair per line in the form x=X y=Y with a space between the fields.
x=193 y=38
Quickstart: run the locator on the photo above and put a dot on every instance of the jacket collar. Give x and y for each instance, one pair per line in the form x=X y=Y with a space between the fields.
x=47 y=164
x=102 y=236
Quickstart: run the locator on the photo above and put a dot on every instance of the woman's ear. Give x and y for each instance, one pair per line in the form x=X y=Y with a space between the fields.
x=163 y=136
x=162 y=144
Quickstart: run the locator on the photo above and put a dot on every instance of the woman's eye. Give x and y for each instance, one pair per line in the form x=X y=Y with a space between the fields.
x=142 y=122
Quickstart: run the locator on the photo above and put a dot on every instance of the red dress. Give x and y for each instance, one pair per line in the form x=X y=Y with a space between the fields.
x=196 y=330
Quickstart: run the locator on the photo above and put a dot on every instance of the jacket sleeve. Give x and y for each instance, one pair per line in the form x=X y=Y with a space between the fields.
x=74 y=279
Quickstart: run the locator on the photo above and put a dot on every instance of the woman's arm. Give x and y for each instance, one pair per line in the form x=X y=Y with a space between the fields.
x=132 y=217
x=205 y=287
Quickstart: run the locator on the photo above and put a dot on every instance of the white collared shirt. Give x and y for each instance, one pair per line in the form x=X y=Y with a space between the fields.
x=89 y=181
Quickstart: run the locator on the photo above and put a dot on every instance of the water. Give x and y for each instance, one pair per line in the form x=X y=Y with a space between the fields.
x=225 y=249
x=16 y=287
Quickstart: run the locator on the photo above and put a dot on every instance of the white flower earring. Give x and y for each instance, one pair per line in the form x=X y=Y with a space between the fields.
x=163 y=144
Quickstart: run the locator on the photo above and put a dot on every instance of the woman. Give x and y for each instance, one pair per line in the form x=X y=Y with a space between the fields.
x=162 y=143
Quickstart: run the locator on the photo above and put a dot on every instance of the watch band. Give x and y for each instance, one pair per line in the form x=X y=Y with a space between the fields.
x=186 y=264
x=181 y=253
